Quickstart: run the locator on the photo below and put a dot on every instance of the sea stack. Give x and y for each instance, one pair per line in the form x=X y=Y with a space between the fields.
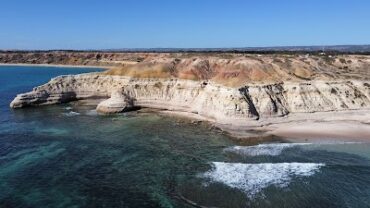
x=117 y=103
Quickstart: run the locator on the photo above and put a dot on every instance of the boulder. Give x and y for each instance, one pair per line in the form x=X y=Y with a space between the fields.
x=117 y=103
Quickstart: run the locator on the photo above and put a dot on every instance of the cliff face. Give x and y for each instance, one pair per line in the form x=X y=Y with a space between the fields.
x=238 y=92
x=215 y=102
x=229 y=69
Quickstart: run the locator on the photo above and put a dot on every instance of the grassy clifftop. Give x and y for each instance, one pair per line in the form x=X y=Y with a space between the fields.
x=231 y=69
x=236 y=70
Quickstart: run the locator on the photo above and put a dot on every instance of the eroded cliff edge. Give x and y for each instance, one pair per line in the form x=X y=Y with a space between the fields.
x=234 y=91
x=246 y=106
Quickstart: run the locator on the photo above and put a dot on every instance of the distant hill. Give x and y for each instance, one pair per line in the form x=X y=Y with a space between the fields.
x=335 y=48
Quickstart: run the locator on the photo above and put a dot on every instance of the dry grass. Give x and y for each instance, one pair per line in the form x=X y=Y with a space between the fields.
x=231 y=81
x=241 y=70
x=146 y=70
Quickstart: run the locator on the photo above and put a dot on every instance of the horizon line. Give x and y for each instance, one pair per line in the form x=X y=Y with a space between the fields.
x=215 y=49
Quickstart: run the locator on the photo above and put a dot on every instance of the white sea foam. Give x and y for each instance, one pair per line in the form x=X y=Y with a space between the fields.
x=274 y=149
x=68 y=108
x=71 y=113
x=263 y=149
x=252 y=178
x=92 y=113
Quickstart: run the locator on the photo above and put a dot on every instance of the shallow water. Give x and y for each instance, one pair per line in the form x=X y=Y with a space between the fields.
x=68 y=156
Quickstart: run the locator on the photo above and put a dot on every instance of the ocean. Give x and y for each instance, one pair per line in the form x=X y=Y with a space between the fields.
x=69 y=156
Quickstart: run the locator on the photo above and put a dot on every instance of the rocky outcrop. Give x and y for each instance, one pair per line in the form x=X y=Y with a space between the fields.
x=117 y=103
x=215 y=102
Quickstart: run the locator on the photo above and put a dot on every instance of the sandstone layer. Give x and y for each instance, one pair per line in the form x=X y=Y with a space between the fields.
x=230 y=69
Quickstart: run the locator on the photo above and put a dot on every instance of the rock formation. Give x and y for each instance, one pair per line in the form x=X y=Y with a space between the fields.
x=207 y=93
x=117 y=103
x=208 y=99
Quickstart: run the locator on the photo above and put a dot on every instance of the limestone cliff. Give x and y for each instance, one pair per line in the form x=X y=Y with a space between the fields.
x=208 y=99
x=235 y=91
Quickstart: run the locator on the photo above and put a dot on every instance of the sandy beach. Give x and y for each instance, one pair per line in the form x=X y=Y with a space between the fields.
x=324 y=131
x=347 y=126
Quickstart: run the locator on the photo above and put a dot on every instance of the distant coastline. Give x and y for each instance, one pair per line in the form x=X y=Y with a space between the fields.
x=56 y=65
x=363 y=49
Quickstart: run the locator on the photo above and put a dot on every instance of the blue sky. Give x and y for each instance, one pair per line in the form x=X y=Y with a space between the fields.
x=106 y=24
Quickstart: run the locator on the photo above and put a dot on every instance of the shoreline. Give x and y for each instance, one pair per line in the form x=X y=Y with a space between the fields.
x=58 y=65
x=317 y=132
x=314 y=128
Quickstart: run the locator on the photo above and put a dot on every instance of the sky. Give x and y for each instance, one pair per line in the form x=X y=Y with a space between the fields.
x=115 y=24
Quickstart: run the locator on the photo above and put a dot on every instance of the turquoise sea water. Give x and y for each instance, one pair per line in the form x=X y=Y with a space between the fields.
x=68 y=156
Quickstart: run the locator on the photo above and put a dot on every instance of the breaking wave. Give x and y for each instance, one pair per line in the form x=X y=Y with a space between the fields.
x=252 y=178
x=275 y=149
x=263 y=149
